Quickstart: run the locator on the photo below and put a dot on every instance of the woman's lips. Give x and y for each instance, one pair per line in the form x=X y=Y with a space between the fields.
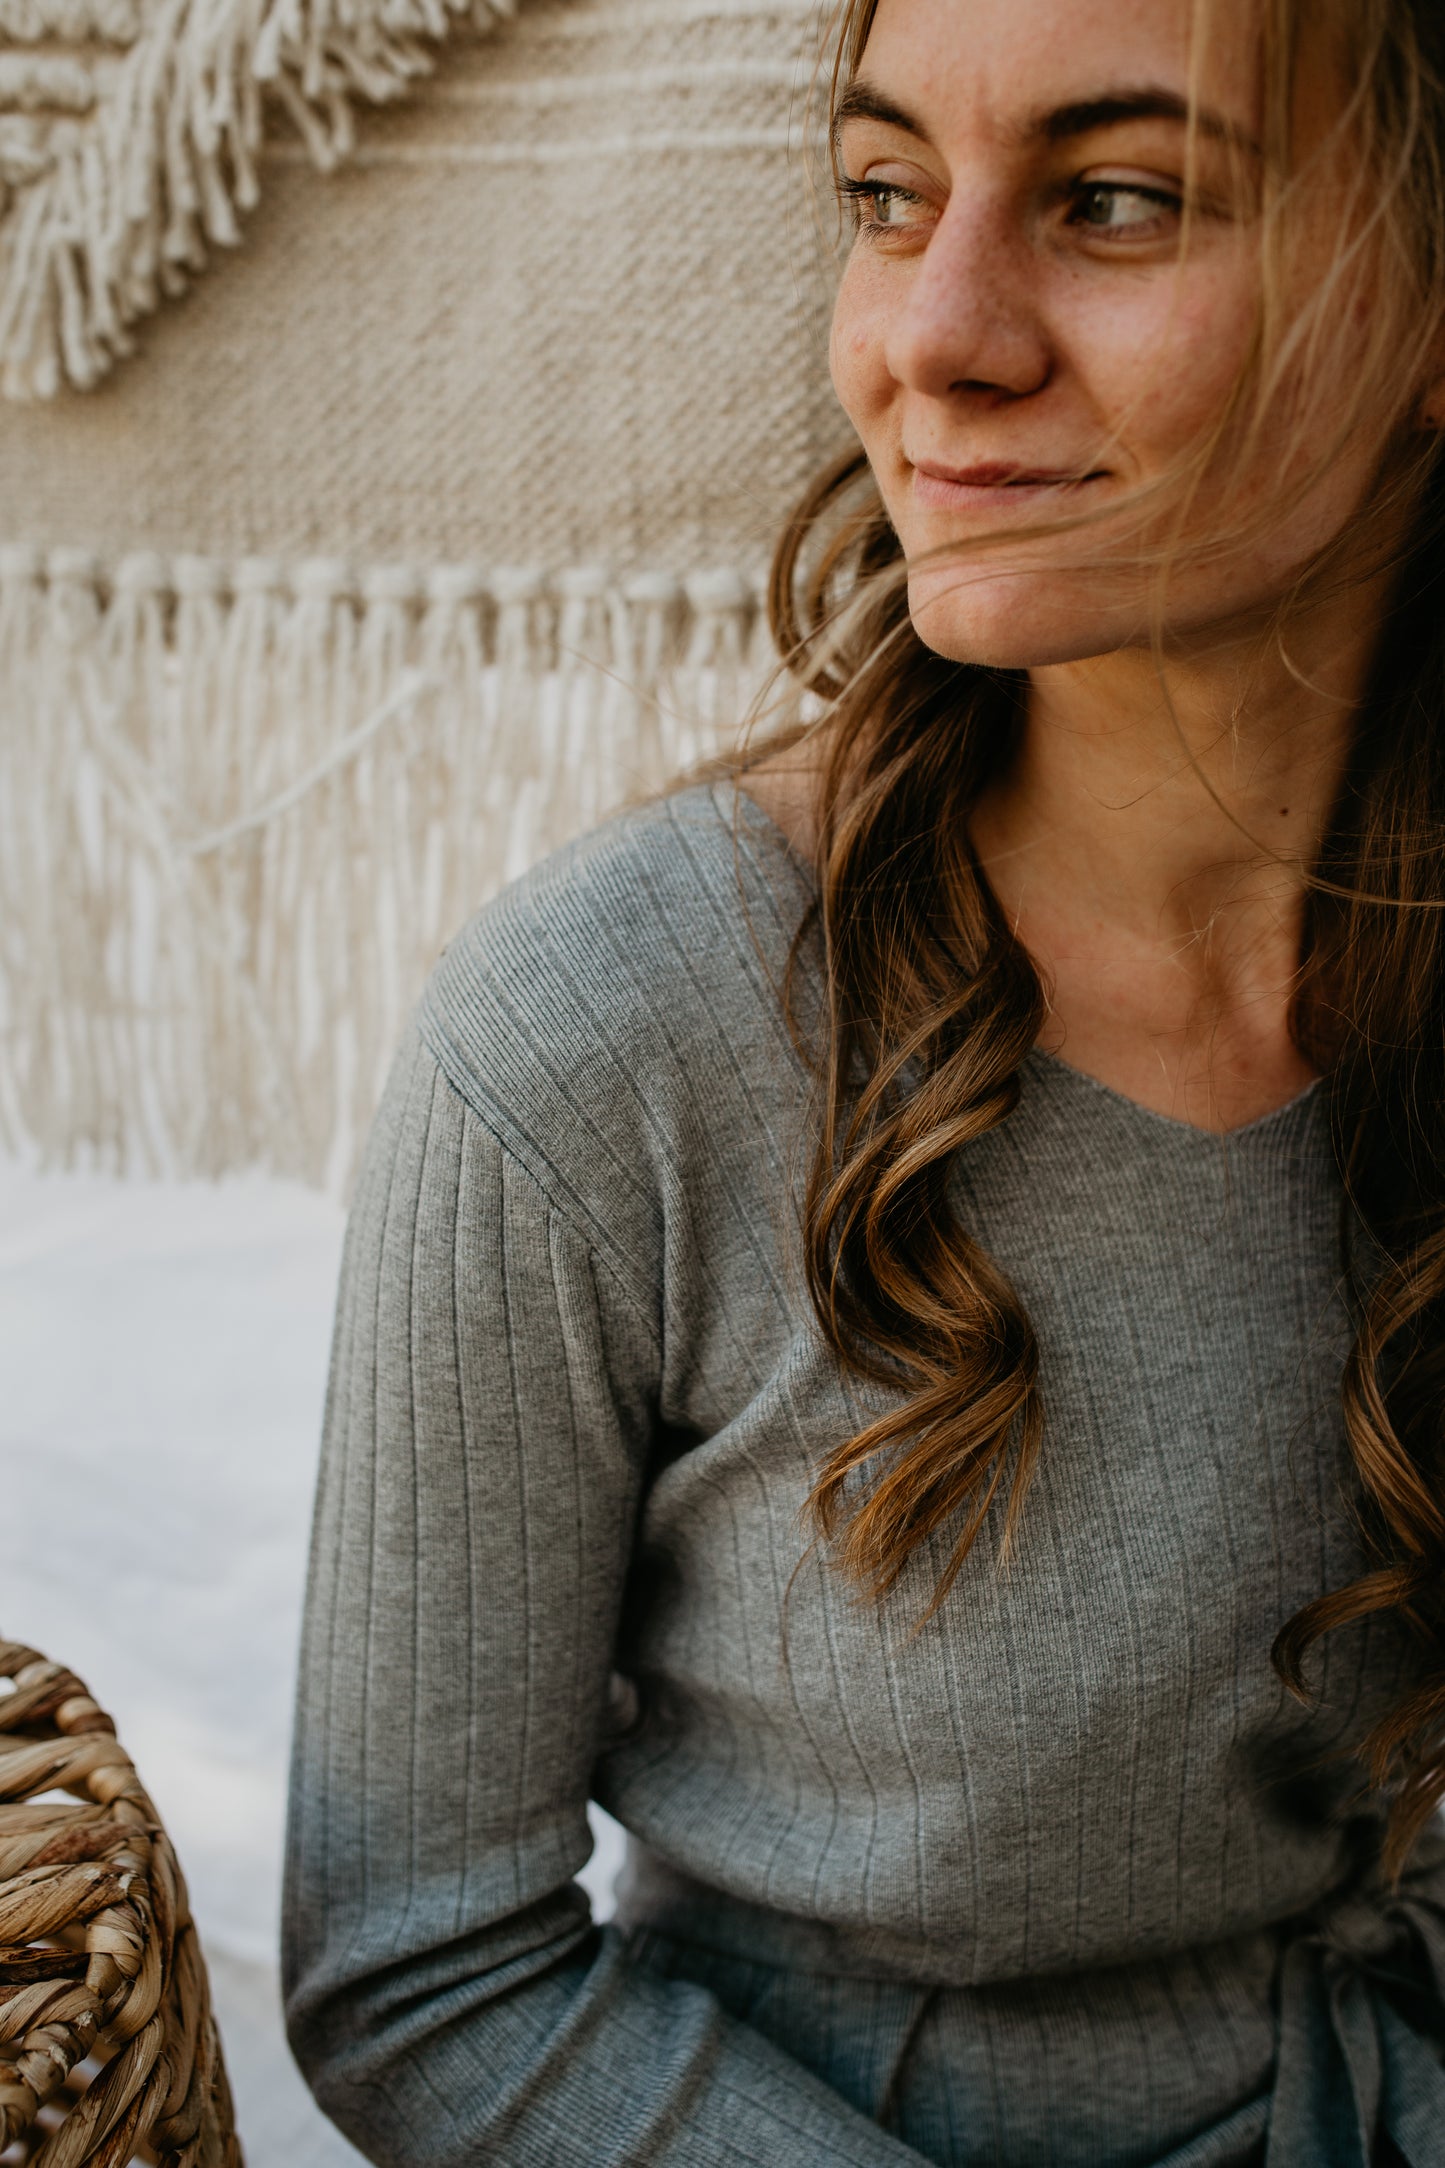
x=991 y=486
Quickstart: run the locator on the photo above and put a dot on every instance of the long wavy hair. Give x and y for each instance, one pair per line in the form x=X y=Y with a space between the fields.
x=932 y=1003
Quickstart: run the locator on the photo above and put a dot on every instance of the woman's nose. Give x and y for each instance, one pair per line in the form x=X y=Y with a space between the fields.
x=970 y=322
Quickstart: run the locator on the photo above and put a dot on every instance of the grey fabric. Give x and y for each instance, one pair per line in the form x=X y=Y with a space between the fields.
x=1063 y=1878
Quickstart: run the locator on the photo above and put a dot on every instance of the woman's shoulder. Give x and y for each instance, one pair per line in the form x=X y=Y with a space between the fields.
x=627 y=985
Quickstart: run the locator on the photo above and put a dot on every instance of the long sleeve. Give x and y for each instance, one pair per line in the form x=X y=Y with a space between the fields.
x=489 y=1414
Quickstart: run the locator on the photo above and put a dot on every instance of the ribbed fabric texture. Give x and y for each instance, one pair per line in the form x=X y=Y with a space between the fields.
x=1065 y=1876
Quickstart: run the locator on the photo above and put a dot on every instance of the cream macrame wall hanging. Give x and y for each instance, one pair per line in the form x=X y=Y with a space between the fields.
x=430 y=524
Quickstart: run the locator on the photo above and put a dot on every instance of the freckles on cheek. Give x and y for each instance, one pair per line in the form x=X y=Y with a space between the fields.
x=1174 y=374
x=1154 y=386
x=842 y=360
x=855 y=354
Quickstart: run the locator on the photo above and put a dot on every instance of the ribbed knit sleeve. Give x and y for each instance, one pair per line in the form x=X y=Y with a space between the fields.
x=490 y=1420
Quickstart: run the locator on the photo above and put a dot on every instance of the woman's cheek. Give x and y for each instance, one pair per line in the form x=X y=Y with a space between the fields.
x=1161 y=371
x=856 y=352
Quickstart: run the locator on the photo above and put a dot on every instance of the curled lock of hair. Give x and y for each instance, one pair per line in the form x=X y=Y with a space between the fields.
x=1371 y=1013
x=931 y=1005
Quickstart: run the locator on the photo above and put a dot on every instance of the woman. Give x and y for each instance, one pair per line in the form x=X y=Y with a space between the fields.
x=892 y=1327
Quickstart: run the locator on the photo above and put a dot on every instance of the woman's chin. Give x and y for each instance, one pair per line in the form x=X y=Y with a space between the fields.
x=1005 y=620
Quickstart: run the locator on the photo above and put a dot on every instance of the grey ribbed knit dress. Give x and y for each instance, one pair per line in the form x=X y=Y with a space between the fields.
x=1064 y=1878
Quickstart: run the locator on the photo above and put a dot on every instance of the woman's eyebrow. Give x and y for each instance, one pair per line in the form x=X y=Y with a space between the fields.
x=1148 y=102
x=862 y=101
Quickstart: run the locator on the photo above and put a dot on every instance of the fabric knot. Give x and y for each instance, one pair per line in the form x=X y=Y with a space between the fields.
x=1364 y=1927
x=720 y=589
x=399 y=584
x=1359 y=2056
x=193 y=575
x=322 y=579
x=450 y=586
x=517 y=584
x=652 y=590
x=582 y=583
x=20 y=561
x=70 y=567
x=142 y=572
x=258 y=576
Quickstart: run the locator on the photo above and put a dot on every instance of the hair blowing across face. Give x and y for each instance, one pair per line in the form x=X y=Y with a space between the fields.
x=931 y=1003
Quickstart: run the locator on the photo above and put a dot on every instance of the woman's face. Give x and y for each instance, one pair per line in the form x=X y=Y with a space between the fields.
x=1019 y=335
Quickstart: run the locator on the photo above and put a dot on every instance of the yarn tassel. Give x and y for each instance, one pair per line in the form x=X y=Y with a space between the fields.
x=461 y=722
x=720 y=681
x=381 y=804
x=28 y=937
x=159 y=165
x=586 y=719
x=128 y=694
x=653 y=610
x=525 y=672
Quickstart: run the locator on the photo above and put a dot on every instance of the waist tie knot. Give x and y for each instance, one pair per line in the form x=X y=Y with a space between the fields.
x=1362 y=2025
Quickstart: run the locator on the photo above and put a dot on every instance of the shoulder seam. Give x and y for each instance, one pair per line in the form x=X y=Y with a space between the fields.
x=631 y=1284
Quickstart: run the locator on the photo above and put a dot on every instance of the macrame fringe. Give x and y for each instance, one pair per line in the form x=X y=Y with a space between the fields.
x=114 y=210
x=242 y=808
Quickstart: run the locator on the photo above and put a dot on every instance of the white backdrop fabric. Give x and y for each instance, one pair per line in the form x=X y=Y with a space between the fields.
x=163 y=1350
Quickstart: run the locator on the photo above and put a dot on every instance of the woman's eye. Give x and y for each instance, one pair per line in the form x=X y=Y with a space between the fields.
x=1121 y=207
x=880 y=206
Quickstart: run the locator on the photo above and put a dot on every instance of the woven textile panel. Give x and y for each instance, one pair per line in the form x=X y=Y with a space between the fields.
x=421 y=526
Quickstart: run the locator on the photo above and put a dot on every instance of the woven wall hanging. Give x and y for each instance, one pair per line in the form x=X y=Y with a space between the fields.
x=428 y=522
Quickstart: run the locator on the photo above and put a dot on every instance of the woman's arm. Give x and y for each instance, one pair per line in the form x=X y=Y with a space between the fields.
x=486 y=1439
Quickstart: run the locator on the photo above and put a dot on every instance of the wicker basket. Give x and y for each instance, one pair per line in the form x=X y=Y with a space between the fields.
x=108 y=2051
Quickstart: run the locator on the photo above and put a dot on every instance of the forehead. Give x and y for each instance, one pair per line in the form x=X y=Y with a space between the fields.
x=998 y=63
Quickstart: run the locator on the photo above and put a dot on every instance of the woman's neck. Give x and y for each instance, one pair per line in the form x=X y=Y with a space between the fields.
x=1151 y=842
